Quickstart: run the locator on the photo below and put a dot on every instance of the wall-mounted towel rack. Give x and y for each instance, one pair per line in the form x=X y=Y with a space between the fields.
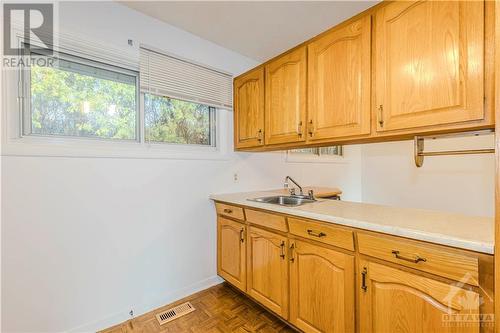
x=420 y=153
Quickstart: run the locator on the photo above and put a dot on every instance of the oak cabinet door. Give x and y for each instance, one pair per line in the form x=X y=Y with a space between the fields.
x=395 y=301
x=286 y=98
x=339 y=82
x=231 y=255
x=249 y=109
x=429 y=63
x=267 y=270
x=321 y=289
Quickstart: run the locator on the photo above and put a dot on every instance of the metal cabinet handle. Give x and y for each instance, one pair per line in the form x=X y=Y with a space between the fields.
x=242 y=236
x=315 y=234
x=363 y=279
x=292 y=247
x=228 y=211
x=259 y=135
x=282 y=246
x=415 y=260
x=381 y=115
x=311 y=128
x=299 y=128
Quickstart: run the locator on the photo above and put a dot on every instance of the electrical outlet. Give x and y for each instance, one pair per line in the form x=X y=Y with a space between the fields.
x=131 y=313
x=235 y=177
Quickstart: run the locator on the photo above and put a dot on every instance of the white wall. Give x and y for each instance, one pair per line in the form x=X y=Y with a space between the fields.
x=462 y=184
x=84 y=240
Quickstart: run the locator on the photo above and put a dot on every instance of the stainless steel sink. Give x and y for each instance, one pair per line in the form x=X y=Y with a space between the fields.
x=284 y=200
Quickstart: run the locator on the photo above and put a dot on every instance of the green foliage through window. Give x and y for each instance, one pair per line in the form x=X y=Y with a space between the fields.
x=82 y=98
x=75 y=99
x=174 y=121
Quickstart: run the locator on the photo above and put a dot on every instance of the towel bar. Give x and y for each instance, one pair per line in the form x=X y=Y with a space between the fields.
x=419 y=152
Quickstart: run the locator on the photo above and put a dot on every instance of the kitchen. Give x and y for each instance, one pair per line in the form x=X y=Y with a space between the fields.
x=117 y=233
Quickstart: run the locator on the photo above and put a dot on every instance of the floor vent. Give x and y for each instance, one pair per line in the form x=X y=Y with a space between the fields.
x=174 y=313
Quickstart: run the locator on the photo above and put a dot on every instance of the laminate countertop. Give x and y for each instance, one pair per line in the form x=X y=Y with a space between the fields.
x=457 y=230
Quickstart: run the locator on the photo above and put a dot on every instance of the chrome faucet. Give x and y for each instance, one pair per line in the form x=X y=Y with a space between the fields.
x=310 y=194
x=292 y=190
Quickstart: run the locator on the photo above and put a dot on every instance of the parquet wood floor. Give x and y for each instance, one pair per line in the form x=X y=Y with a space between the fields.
x=220 y=309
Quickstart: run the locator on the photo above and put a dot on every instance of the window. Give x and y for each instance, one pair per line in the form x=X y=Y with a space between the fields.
x=160 y=106
x=333 y=154
x=81 y=98
x=322 y=151
x=171 y=120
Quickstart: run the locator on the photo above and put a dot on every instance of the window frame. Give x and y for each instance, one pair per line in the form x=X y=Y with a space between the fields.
x=25 y=98
x=14 y=143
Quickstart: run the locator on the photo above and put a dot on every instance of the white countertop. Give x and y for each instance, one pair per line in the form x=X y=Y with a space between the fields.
x=461 y=231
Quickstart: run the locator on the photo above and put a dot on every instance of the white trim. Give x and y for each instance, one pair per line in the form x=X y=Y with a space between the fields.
x=105 y=148
x=140 y=309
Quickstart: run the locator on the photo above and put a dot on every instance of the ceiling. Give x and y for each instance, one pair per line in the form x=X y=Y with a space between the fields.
x=257 y=29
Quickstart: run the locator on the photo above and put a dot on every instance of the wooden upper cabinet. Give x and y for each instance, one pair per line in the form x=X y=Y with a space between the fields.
x=249 y=109
x=286 y=98
x=267 y=270
x=429 y=62
x=231 y=252
x=339 y=82
x=395 y=301
x=321 y=289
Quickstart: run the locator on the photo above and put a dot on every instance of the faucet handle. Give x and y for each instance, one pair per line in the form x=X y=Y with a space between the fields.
x=310 y=193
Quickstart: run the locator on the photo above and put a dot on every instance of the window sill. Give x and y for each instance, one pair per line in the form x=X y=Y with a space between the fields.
x=57 y=147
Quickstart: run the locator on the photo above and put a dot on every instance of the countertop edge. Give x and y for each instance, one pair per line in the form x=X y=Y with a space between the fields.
x=435 y=238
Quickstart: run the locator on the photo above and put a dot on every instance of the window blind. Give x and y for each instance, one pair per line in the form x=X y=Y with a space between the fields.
x=164 y=75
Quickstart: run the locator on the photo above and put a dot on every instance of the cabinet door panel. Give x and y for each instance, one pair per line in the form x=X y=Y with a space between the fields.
x=231 y=256
x=429 y=63
x=339 y=82
x=268 y=270
x=321 y=289
x=398 y=301
x=249 y=109
x=286 y=98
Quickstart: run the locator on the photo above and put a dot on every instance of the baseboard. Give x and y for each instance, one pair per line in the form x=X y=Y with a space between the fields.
x=140 y=309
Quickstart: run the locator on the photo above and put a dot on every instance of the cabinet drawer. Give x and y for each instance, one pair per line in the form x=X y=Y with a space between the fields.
x=322 y=233
x=231 y=211
x=425 y=257
x=268 y=220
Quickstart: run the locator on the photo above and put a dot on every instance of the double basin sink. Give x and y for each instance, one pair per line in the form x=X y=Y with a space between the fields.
x=285 y=200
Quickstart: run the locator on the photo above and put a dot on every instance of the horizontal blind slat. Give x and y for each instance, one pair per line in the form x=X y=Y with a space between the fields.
x=168 y=76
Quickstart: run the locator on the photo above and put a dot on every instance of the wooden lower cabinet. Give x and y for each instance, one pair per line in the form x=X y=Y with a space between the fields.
x=321 y=289
x=380 y=286
x=393 y=300
x=267 y=270
x=231 y=253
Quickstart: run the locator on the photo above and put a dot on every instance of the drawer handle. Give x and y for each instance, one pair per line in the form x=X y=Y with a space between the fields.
x=315 y=234
x=415 y=260
x=282 y=248
x=228 y=211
